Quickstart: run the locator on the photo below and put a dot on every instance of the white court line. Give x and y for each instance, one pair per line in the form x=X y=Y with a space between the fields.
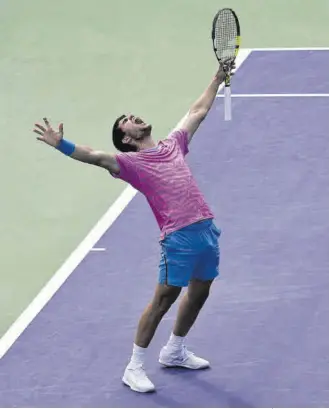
x=276 y=96
x=293 y=49
x=98 y=249
x=77 y=256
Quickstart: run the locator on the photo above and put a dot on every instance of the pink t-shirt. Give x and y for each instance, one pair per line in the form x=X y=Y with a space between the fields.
x=165 y=179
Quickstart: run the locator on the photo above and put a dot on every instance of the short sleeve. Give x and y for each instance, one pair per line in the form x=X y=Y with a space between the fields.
x=181 y=137
x=127 y=166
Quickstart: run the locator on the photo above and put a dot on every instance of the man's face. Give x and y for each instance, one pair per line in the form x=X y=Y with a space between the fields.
x=135 y=128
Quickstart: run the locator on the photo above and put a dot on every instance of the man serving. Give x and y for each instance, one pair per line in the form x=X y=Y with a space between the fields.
x=189 y=238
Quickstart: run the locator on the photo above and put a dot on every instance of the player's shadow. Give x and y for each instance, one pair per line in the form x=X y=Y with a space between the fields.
x=212 y=395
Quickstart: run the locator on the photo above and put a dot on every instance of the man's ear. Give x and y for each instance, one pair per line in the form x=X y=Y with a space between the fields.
x=126 y=139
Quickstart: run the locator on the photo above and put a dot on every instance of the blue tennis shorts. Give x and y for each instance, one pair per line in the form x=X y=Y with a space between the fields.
x=190 y=253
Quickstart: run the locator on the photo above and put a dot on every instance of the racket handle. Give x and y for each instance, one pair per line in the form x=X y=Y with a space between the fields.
x=227 y=103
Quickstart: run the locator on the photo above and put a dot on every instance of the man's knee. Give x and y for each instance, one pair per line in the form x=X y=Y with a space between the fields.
x=164 y=297
x=198 y=292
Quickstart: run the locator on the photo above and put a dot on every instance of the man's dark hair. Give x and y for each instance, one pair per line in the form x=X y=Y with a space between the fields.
x=118 y=135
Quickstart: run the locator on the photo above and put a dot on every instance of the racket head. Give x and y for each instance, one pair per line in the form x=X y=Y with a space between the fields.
x=226 y=34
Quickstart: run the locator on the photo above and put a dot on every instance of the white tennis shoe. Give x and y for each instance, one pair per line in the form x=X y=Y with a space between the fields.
x=182 y=358
x=135 y=377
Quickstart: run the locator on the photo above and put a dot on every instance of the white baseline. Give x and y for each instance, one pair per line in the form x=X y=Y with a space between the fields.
x=276 y=95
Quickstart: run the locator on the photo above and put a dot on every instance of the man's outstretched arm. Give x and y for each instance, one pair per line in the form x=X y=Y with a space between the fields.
x=78 y=152
x=202 y=105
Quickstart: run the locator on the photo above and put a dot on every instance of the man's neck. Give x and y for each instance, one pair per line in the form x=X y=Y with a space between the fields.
x=148 y=143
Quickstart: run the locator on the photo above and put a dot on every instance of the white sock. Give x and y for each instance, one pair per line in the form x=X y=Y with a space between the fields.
x=175 y=342
x=138 y=356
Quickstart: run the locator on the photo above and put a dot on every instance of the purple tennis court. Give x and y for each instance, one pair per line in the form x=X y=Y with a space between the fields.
x=264 y=328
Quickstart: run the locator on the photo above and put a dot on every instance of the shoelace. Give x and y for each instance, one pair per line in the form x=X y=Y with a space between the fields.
x=139 y=369
x=184 y=354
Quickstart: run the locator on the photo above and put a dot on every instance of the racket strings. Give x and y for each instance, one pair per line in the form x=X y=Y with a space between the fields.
x=225 y=34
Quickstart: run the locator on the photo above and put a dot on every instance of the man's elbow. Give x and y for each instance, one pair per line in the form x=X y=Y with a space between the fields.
x=199 y=113
x=203 y=113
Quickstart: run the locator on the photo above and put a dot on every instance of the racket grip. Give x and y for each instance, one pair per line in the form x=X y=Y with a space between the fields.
x=227 y=103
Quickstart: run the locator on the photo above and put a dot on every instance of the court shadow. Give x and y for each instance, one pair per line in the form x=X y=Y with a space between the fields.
x=212 y=394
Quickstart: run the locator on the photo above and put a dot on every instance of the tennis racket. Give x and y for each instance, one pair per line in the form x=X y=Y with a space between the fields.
x=226 y=43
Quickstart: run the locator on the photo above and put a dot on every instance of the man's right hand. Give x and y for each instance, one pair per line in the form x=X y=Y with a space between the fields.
x=48 y=134
x=227 y=66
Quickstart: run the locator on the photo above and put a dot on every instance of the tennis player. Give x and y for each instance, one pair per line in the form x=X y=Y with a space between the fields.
x=189 y=238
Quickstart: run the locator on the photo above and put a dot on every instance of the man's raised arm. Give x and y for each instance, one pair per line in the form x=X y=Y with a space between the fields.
x=81 y=153
x=202 y=105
